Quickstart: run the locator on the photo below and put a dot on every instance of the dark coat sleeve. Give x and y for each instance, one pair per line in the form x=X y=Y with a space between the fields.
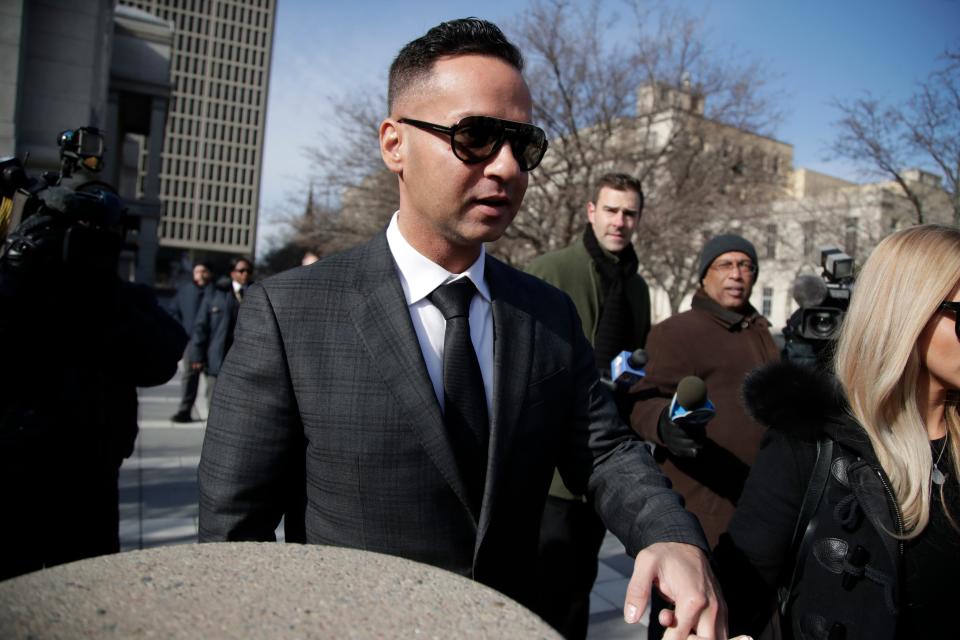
x=253 y=410
x=148 y=342
x=175 y=306
x=200 y=337
x=753 y=558
x=629 y=491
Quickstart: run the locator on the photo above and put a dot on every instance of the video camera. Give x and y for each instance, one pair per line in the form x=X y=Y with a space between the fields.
x=822 y=308
x=64 y=217
x=823 y=303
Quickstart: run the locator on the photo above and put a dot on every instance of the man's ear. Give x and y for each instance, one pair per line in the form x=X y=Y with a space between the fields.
x=591 y=209
x=390 y=145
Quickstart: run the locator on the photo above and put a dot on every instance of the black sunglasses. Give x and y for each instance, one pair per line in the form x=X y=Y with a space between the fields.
x=955 y=307
x=477 y=138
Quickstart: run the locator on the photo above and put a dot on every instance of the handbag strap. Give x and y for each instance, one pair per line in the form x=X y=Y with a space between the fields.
x=803 y=531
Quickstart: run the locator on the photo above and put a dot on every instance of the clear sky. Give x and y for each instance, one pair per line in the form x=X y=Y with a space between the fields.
x=819 y=50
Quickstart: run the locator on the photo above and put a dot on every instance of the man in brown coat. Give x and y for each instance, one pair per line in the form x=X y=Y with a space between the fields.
x=720 y=339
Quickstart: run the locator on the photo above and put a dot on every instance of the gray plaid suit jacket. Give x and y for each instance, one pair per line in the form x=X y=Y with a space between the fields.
x=324 y=409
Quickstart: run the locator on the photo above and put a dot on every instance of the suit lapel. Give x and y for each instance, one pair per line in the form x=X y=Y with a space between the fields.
x=512 y=360
x=383 y=323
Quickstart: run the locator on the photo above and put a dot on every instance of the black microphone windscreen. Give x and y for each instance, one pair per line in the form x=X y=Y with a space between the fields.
x=638 y=359
x=691 y=393
x=809 y=291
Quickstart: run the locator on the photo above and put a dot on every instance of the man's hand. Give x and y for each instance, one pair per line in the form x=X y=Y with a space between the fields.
x=684 y=440
x=196 y=366
x=683 y=575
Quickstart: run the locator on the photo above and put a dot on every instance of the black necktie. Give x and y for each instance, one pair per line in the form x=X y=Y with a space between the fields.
x=465 y=404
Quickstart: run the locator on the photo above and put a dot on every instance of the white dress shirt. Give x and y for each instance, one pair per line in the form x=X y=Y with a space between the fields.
x=419 y=276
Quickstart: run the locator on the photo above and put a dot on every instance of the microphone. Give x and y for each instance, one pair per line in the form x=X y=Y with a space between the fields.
x=809 y=291
x=627 y=368
x=690 y=405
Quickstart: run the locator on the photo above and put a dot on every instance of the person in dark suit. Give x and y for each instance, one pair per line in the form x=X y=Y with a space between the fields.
x=216 y=321
x=184 y=307
x=349 y=379
x=73 y=357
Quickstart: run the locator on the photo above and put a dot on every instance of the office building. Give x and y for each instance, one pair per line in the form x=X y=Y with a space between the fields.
x=213 y=149
x=65 y=65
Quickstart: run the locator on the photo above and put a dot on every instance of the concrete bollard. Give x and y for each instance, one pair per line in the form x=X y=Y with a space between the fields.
x=257 y=590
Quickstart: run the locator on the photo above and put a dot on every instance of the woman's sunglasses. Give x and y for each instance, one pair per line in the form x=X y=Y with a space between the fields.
x=955 y=307
x=477 y=138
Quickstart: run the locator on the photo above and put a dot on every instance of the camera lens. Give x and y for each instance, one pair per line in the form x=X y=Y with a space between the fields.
x=822 y=325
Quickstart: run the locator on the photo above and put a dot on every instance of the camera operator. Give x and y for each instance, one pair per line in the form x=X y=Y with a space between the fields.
x=76 y=343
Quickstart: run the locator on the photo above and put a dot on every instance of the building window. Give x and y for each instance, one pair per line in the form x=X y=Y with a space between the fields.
x=850 y=236
x=809 y=239
x=767 y=301
x=771 y=242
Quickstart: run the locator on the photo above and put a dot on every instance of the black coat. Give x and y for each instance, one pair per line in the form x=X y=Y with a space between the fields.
x=213 y=328
x=186 y=302
x=73 y=358
x=849 y=582
x=74 y=352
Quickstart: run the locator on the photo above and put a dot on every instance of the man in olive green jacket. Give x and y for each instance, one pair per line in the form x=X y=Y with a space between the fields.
x=599 y=273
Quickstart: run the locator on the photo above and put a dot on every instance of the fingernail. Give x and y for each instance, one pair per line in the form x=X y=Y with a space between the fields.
x=630 y=614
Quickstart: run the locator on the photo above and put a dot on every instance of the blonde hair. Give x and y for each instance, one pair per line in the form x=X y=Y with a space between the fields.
x=898 y=291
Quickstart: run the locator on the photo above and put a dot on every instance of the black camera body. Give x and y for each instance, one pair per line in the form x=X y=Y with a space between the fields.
x=63 y=218
x=822 y=320
x=813 y=328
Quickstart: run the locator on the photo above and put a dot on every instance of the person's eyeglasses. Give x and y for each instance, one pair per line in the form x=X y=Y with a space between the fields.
x=725 y=266
x=955 y=307
x=243 y=270
x=477 y=138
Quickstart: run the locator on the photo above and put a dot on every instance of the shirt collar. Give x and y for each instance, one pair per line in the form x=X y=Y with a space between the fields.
x=419 y=275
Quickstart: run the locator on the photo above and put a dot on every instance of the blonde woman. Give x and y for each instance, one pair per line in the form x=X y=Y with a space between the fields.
x=881 y=555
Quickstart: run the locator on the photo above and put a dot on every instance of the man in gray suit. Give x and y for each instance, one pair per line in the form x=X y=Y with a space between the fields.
x=349 y=389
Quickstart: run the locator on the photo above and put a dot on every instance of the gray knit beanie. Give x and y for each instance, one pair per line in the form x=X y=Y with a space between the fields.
x=719 y=245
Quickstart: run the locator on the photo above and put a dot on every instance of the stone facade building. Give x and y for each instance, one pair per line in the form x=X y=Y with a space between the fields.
x=788 y=212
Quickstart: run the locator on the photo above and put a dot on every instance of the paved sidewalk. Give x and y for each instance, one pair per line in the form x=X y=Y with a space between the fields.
x=158 y=503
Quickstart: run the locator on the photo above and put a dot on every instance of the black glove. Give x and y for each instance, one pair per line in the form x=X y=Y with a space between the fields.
x=683 y=441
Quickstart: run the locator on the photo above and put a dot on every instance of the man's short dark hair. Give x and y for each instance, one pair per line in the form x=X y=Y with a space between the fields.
x=237 y=260
x=456 y=37
x=620 y=182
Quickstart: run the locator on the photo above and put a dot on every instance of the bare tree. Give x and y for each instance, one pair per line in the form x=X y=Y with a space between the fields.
x=663 y=107
x=655 y=103
x=887 y=139
x=349 y=166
